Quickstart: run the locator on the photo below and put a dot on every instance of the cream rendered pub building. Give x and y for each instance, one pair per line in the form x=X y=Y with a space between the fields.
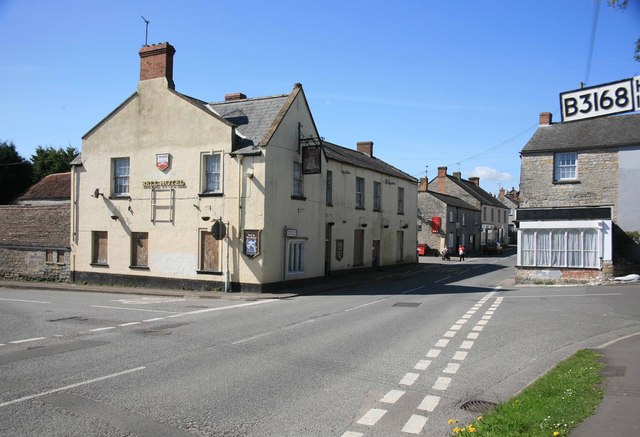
x=241 y=194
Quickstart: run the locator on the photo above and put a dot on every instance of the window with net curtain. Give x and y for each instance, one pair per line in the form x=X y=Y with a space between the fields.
x=560 y=248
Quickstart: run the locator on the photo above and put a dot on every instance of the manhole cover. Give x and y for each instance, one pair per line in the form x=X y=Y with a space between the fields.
x=478 y=406
x=406 y=304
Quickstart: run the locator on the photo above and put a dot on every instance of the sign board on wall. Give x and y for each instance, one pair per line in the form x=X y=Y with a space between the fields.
x=600 y=100
x=435 y=225
x=251 y=242
x=311 y=160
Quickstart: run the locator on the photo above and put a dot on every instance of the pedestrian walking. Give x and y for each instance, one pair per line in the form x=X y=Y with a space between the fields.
x=461 y=252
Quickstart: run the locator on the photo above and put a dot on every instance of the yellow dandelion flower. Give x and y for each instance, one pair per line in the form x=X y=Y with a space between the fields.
x=472 y=429
x=555 y=433
x=450 y=421
x=479 y=417
x=456 y=430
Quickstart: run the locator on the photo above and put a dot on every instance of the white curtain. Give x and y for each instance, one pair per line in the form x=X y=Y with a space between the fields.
x=558 y=249
x=574 y=249
x=590 y=248
x=543 y=248
x=528 y=248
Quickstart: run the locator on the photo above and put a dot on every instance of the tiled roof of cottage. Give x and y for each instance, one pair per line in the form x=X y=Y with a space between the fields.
x=477 y=192
x=359 y=159
x=453 y=201
x=52 y=187
x=612 y=131
x=253 y=117
x=42 y=226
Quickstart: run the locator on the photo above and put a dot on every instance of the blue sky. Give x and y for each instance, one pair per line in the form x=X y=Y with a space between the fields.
x=431 y=83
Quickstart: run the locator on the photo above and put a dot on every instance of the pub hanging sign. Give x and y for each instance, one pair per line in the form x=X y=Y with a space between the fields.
x=435 y=225
x=251 y=242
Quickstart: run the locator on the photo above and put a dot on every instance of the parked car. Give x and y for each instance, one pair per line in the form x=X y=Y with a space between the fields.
x=492 y=248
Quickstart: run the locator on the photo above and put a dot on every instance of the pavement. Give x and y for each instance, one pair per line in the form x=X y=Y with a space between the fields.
x=615 y=416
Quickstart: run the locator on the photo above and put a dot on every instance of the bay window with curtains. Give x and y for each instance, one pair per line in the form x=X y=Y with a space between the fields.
x=558 y=247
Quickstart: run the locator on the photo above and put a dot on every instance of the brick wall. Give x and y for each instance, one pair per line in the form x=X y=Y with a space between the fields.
x=597 y=181
x=31 y=264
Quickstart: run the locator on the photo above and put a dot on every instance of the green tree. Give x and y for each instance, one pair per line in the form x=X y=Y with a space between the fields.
x=50 y=160
x=15 y=173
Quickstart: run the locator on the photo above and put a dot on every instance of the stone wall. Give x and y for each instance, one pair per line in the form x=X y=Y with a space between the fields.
x=30 y=263
x=596 y=185
x=547 y=276
x=430 y=207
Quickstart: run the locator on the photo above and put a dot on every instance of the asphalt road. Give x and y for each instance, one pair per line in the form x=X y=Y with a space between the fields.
x=395 y=357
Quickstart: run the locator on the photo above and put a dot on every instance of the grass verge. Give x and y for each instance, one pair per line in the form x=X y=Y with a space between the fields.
x=552 y=406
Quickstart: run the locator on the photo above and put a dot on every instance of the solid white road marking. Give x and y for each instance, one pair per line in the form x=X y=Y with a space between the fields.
x=442 y=342
x=129 y=324
x=467 y=344
x=409 y=379
x=422 y=365
x=442 y=383
x=429 y=403
x=131 y=309
x=372 y=416
x=27 y=340
x=68 y=387
x=449 y=334
x=22 y=300
x=451 y=368
x=433 y=353
x=460 y=355
x=392 y=396
x=102 y=329
x=473 y=335
x=415 y=424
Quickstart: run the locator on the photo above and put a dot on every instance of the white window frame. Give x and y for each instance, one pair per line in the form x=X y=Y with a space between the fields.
x=565 y=166
x=360 y=192
x=296 y=256
x=119 y=179
x=206 y=186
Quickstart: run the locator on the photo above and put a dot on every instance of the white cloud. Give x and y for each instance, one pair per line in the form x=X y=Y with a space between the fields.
x=488 y=174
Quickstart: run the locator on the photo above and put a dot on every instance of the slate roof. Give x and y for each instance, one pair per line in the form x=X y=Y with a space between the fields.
x=42 y=226
x=612 y=131
x=253 y=117
x=453 y=201
x=52 y=187
x=359 y=159
x=477 y=192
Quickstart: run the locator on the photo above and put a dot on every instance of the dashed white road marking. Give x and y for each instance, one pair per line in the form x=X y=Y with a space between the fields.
x=409 y=379
x=473 y=335
x=449 y=334
x=131 y=309
x=392 y=396
x=415 y=424
x=154 y=320
x=467 y=316
x=102 y=329
x=443 y=342
x=433 y=353
x=422 y=365
x=451 y=368
x=485 y=318
x=372 y=416
x=442 y=383
x=27 y=340
x=129 y=324
x=68 y=387
x=478 y=328
x=252 y=338
x=429 y=403
x=467 y=344
x=352 y=434
x=23 y=300
x=461 y=321
x=455 y=327
x=482 y=322
x=460 y=355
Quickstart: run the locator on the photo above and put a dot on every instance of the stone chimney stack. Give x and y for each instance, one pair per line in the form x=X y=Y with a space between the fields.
x=423 y=186
x=545 y=119
x=234 y=96
x=475 y=180
x=365 y=147
x=457 y=174
x=442 y=172
x=157 y=61
x=502 y=193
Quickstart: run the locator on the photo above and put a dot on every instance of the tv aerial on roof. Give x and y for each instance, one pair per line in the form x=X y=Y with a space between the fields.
x=146 y=30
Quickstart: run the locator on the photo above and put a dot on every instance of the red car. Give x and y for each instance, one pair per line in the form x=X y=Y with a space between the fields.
x=492 y=248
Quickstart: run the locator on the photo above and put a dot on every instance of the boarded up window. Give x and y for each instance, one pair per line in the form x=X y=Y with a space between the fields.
x=99 y=251
x=60 y=257
x=49 y=256
x=139 y=249
x=358 y=247
x=209 y=252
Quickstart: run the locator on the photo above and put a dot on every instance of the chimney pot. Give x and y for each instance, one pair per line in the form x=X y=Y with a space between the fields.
x=365 y=147
x=157 y=61
x=545 y=119
x=234 y=96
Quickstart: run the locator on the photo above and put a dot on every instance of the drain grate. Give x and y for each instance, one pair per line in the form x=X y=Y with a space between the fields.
x=406 y=304
x=478 y=406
